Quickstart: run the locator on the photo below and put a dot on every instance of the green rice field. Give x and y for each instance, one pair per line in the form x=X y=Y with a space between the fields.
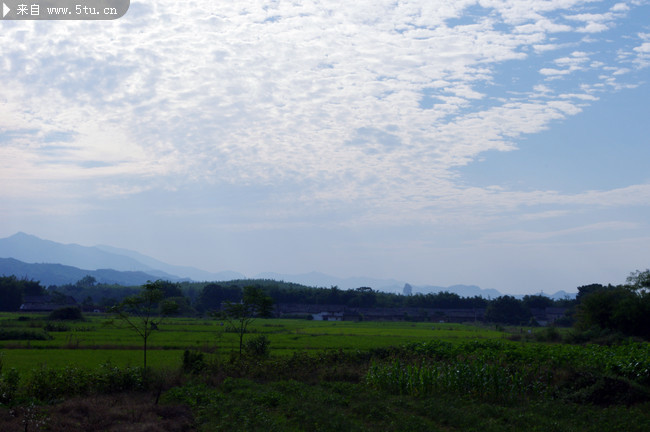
x=96 y=340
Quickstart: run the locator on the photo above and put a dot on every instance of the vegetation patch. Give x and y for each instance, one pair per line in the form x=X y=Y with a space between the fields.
x=132 y=412
x=239 y=371
x=23 y=334
x=241 y=404
x=603 y=390
x=68 y=313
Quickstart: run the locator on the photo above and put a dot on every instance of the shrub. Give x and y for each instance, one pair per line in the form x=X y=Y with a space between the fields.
x=586 y=388
x=8 y=386
x=258 y=346
x=112 y=379
x=56 y=327
x=20 y=334
x=596 y=335
x=68 y=313
x=305 y=316
x=193 y=361
x=47 y=384
x=549 y=334
x=476 y=379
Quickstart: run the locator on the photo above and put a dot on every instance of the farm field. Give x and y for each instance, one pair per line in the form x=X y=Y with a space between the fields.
x=95 y=341
x=316 y=376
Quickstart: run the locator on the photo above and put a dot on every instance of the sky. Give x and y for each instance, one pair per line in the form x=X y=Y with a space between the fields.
x=500 y=143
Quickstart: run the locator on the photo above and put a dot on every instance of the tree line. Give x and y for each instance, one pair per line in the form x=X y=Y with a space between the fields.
x=620 y=308
x=203 y=297
x=213 y=294
x=624 y=309
x=14 y=290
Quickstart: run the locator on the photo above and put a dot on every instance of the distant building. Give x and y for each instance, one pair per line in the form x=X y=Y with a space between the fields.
x=554 y=313
x=549 y=315
x=46 y=303
x=328 y=312
x=328 y=316
x=408 y=290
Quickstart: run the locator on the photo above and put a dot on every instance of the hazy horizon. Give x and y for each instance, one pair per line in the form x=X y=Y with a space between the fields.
x=502 y=143
x=30 y=249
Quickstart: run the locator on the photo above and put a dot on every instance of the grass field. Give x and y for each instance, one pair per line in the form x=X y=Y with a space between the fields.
x=317 y=376
x=94 y=341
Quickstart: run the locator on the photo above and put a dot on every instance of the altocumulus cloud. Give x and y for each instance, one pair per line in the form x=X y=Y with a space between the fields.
x=370 y=105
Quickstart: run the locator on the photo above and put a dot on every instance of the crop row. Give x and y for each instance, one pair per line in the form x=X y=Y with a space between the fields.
x=630 y=360
x=493 y=382
x=45 y=384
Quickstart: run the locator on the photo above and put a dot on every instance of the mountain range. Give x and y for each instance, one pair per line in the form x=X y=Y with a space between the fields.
x=59 y=274
x=31 y=249
x=52 y=263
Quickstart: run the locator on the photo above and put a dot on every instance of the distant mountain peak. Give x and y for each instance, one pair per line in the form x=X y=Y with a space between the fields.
x=21 y=234
x=32 y=249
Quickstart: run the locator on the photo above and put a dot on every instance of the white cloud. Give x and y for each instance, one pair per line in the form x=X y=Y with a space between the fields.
x=543 y=25
x=554 y=72
x=600 y=22
x=319 y=99
x=521 y=236
x=620 y=7
x=572 y=63
x=594 y=27
x=641 y=55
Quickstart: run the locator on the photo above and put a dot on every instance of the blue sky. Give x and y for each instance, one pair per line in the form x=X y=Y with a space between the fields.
x=502 y=143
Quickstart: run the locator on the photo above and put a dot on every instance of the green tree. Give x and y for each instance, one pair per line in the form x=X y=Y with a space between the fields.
x=170 y=289
x=213 y=295
x=31 y=288
x=585 y=290
x=262 y=303
x=507 y=310
x=537 y=301
x=598 y=307
x=254 y=303
x=622 y=308
x=11 y=296
x=145 y=312
x=334 y=295
x=362 y=297
x=639 y=281
x=184 y=307
x=86 y=281
x=13 y=290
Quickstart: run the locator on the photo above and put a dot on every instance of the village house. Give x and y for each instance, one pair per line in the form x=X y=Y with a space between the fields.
x=46 y=303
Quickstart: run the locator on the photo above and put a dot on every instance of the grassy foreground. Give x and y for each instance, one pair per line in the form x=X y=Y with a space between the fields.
x=317 y=376
x=245 y=405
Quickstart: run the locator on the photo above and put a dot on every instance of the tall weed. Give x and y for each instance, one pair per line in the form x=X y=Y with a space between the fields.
x=48 y=384
x=484 y=381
